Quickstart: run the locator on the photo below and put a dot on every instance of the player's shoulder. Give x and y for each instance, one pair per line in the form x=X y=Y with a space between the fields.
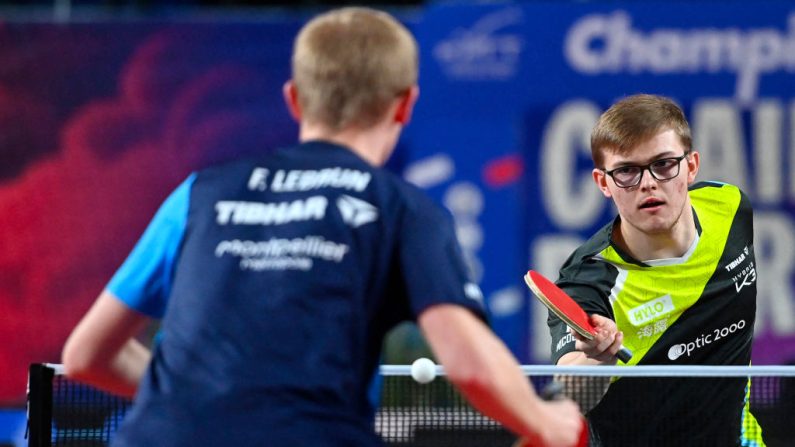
x=415 y=201
x=413 y=194
x=261 y=168
x=237 y=168
x=587 y=270
x=592 y=247
x=595 y=264
x=588 y=278
x=720 y=196
x=713 y=186
x=585 y=264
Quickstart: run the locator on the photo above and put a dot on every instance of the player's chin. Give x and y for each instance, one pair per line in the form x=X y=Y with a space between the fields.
x=654 y=224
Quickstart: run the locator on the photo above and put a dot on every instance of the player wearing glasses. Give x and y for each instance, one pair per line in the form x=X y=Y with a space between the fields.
x=673 y=278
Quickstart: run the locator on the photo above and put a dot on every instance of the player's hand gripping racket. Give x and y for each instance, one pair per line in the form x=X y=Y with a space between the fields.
x=554 y=391
x=566 y=308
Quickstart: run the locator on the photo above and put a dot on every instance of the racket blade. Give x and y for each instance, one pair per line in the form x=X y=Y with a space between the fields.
x=562 y=305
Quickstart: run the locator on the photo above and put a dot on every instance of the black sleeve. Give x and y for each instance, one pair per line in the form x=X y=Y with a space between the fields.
x=588 y=282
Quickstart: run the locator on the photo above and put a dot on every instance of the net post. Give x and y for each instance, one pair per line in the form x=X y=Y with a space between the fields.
x=40 y=378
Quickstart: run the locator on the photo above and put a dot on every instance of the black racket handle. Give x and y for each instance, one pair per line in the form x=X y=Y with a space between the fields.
x=552 y=391
x=624 y=354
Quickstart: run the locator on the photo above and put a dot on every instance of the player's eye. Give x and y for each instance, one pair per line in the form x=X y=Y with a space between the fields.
x=666 y=168
x=626 y=173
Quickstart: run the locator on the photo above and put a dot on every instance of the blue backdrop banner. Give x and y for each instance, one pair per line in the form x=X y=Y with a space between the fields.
x=510 y=94
x=100 y=120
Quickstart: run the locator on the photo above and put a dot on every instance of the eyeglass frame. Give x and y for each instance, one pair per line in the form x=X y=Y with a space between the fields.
x=647 y=167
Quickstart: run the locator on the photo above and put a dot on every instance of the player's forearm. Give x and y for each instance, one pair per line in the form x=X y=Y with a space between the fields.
x=127 y=369
x=102 y=349
x=587 y=391
x=499 y=390
x=579 y=358
x=483 y=369
x=120 y=374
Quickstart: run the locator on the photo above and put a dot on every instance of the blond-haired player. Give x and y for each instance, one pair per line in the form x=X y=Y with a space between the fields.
x=277 y=277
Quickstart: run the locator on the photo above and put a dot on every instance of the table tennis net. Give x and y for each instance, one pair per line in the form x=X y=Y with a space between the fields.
x=62 y=412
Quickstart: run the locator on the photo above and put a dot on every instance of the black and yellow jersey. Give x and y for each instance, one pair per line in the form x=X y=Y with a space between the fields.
x=697 y=309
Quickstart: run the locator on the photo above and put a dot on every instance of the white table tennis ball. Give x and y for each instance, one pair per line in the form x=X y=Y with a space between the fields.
x=423 y=370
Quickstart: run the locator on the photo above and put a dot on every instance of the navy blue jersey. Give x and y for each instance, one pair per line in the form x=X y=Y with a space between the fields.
x=276 y=279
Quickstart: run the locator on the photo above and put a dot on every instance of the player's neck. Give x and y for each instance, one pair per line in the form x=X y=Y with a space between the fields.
x=644 y=246
x=374 y=144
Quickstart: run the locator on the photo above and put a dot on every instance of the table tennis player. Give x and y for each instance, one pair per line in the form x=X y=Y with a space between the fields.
x=672 y=277
x=276 y=277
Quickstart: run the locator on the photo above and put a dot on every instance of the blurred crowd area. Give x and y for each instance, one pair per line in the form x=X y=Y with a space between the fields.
x=62 y=11
x=149 y=4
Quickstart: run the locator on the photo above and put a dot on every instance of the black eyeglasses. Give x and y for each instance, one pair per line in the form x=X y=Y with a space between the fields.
x=662 y=170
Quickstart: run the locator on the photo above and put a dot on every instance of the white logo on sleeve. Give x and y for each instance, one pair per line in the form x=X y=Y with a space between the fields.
x=356 y=212
x=472 y=291
x=568 y=338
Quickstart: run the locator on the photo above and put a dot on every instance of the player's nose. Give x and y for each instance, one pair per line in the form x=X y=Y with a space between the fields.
x=647 y=180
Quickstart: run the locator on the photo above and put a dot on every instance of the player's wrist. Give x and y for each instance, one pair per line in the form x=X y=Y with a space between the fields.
x=605 y=359
x=535 y=424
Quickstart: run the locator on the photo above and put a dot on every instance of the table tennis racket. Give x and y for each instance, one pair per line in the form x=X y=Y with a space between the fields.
x=562 y=305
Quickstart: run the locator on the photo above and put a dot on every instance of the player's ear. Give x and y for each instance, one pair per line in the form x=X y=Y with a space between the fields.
x=693 y=163
x=405 y=106
x=290 y=94
x=600 y=178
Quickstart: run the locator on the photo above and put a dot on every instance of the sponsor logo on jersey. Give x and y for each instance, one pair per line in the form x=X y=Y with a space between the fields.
x=568 y=338
x=745 y=277
x=737 y=261
x=274 y=213
x=282 y=254
x=650 y=330
x=356 y=212
x=678 y=350
x=651 y=310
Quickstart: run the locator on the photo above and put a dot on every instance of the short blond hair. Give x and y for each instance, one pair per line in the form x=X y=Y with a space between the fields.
x=632 y=121
x=349 y=64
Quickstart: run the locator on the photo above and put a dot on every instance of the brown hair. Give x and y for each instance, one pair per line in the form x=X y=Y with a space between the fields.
x=349 y=64
x=632 y=121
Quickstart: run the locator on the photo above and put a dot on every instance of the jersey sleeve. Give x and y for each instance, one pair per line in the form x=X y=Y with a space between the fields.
x=143 y=282
x=431 y=261
x=581 y=282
